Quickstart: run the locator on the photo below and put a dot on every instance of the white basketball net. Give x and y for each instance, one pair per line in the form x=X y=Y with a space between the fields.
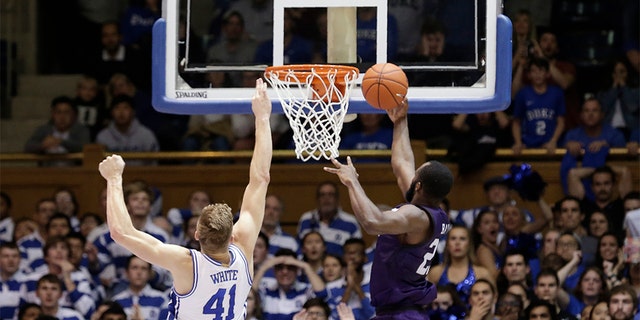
x=315 y=112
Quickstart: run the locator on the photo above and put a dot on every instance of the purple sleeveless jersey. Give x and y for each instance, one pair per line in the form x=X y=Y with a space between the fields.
x=398 y=272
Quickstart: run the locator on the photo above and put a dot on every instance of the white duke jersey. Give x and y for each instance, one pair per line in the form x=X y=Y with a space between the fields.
x=218 y=293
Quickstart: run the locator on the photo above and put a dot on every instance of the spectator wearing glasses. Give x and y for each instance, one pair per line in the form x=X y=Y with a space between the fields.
x=283 y=299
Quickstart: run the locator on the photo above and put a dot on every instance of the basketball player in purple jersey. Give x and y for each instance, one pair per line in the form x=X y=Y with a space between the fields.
x=408 y=235
x=212 y=283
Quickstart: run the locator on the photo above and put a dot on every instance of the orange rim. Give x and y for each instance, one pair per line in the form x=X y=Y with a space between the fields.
x=306 y=69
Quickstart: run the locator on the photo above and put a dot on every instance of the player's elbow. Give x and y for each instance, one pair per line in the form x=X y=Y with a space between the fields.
x=370 y=227
x=118 y=233
x=262 y=177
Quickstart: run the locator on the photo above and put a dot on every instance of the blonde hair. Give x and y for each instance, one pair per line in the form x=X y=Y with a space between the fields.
x=215 y=225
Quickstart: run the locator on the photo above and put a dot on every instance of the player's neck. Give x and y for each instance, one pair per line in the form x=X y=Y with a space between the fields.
x=220 y=256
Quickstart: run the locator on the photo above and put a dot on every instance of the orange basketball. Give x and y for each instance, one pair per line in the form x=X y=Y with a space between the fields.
x=382 y=84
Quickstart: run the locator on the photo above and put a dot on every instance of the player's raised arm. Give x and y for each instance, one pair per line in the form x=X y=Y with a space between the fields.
x=402 y=159
x=372 y=219
x=246 y=230
x=121 y=228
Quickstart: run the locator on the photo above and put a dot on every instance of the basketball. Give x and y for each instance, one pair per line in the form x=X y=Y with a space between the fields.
x=382 y=84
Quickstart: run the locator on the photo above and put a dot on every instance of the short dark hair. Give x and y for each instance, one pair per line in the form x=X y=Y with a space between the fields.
x=66 y=100
x=43 y=200
x=433 y=26
x=123 y=98
x=318 y=302
x=133 y=256
x=343 y=264
x=514 y=252
x=355 y=241
x=541 y=303
x=72 y=195
x=494 y=181
x=285 y=252
x=114 y=309
x=50 y=278
x=112 y=23
x=604 y=169
x=327 y=183
x=626 y=289
x=494 y=291
x=309 y=234
x=9 y=245
x=59 y=216
x=52 y=241
x=77 y=235
x=544 y=30
x=588 y=97
x=546 y=272
x=569 y=198
x=91 y=215
x=574 y=237
x=23 y=309
x=541 y=63
x=436 y=179
x=635 y=195
x=230 y=14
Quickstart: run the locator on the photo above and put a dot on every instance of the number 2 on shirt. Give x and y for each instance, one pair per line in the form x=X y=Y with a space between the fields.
x=214 y=305
x=425 y=265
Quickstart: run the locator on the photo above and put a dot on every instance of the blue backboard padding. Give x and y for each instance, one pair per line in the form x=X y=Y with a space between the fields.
x=500 y=100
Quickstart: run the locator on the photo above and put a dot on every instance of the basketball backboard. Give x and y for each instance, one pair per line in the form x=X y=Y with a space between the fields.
x=476 y=78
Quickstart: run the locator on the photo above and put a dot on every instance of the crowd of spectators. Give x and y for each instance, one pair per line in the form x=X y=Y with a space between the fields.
x=62 y=262
x=553 y=88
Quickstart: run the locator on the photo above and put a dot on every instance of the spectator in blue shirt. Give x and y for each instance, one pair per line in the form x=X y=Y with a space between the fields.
x=590 y=142
x=539 y=109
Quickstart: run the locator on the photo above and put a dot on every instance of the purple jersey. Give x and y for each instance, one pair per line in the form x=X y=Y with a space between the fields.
x=398 y=274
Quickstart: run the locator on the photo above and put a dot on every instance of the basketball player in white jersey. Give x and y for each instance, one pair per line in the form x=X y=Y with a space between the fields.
x=212 y=283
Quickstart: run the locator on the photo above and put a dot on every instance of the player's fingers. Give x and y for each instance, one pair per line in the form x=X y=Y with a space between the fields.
x=336 y=162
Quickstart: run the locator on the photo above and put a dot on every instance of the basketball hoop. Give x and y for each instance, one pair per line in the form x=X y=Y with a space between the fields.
x=315 y=99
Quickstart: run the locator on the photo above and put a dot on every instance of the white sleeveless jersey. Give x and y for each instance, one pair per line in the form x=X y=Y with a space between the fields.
x=218 y=293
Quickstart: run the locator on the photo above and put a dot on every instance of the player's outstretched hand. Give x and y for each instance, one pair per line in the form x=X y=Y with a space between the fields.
x=399 y=112
x=260 y=103
x=111 y=167
x=346 y=172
